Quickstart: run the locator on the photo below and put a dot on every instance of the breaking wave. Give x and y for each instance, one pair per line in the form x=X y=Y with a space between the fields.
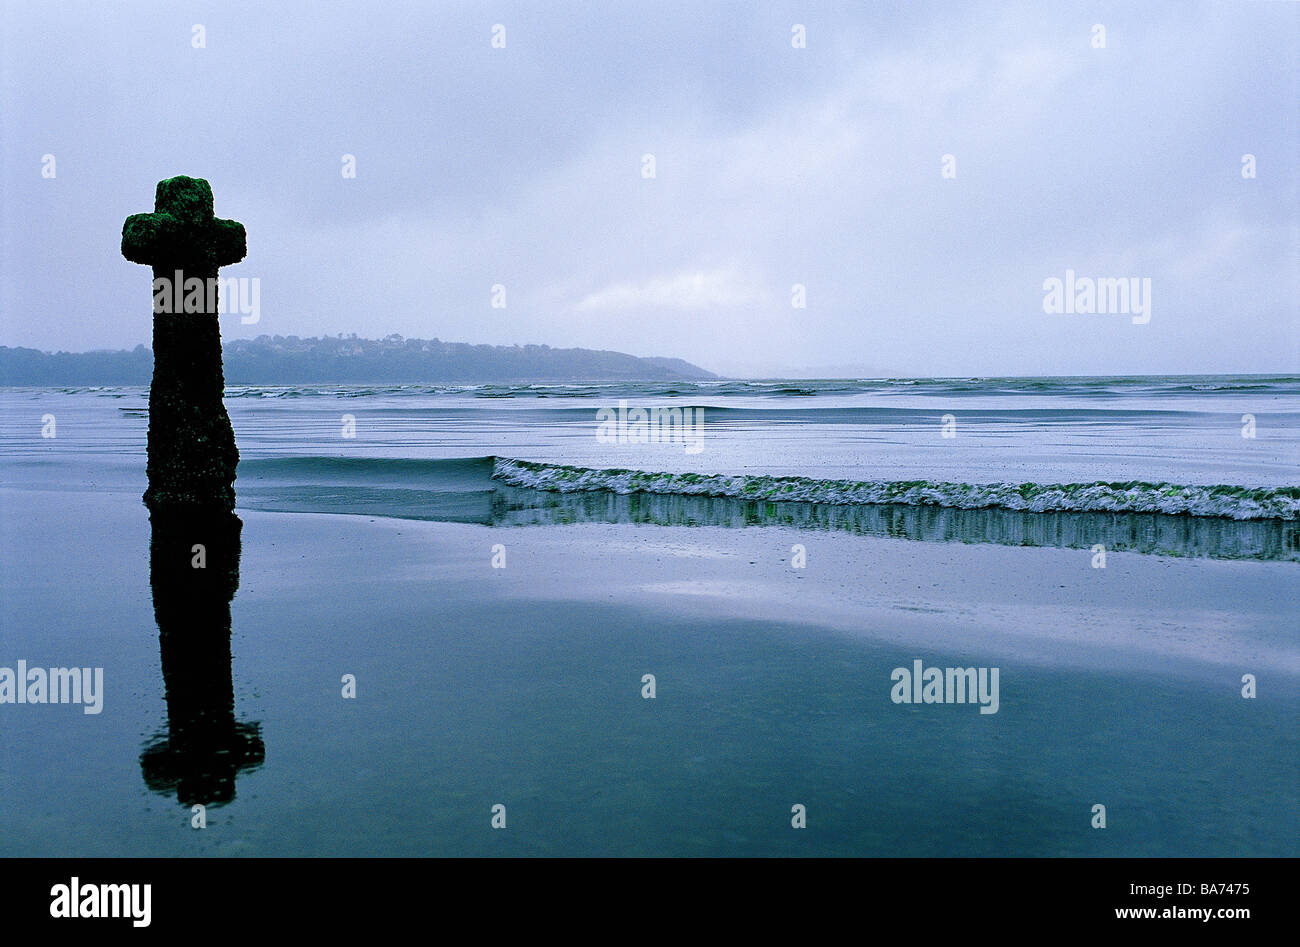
x=1230 y=502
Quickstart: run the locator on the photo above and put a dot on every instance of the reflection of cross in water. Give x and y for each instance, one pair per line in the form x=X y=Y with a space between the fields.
x=205 y=747
x=192 y=455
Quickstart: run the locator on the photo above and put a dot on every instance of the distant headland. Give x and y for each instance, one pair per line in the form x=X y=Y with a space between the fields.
x=289 y=360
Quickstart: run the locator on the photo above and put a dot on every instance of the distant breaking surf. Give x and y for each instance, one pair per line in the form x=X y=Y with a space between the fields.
x=1230 y=502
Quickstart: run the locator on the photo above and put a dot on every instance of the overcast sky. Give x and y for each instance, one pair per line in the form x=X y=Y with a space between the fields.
x=774 y=165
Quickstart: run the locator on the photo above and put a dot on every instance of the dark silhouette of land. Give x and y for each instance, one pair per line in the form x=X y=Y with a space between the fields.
x=279 y=360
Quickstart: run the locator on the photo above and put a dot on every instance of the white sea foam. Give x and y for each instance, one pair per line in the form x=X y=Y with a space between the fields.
x=1232 y=502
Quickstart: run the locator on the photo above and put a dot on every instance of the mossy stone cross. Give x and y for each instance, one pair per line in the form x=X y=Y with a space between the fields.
x=191 y=445
x=182 y=232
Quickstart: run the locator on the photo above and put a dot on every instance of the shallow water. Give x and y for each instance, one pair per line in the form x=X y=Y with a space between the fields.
x=521 y=685
x=473 y=693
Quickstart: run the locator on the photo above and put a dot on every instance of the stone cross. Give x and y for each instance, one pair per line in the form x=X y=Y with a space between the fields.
x=191 y=448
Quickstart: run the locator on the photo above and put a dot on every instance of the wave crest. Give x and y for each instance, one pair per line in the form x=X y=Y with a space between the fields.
x=1230 y=502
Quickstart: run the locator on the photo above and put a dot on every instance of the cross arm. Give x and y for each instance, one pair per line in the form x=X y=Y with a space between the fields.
x=146 y=238
x=159 y=239
x=229 y=242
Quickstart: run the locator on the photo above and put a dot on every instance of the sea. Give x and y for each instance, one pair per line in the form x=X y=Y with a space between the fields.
x=1186 y=465
x=442 y=627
